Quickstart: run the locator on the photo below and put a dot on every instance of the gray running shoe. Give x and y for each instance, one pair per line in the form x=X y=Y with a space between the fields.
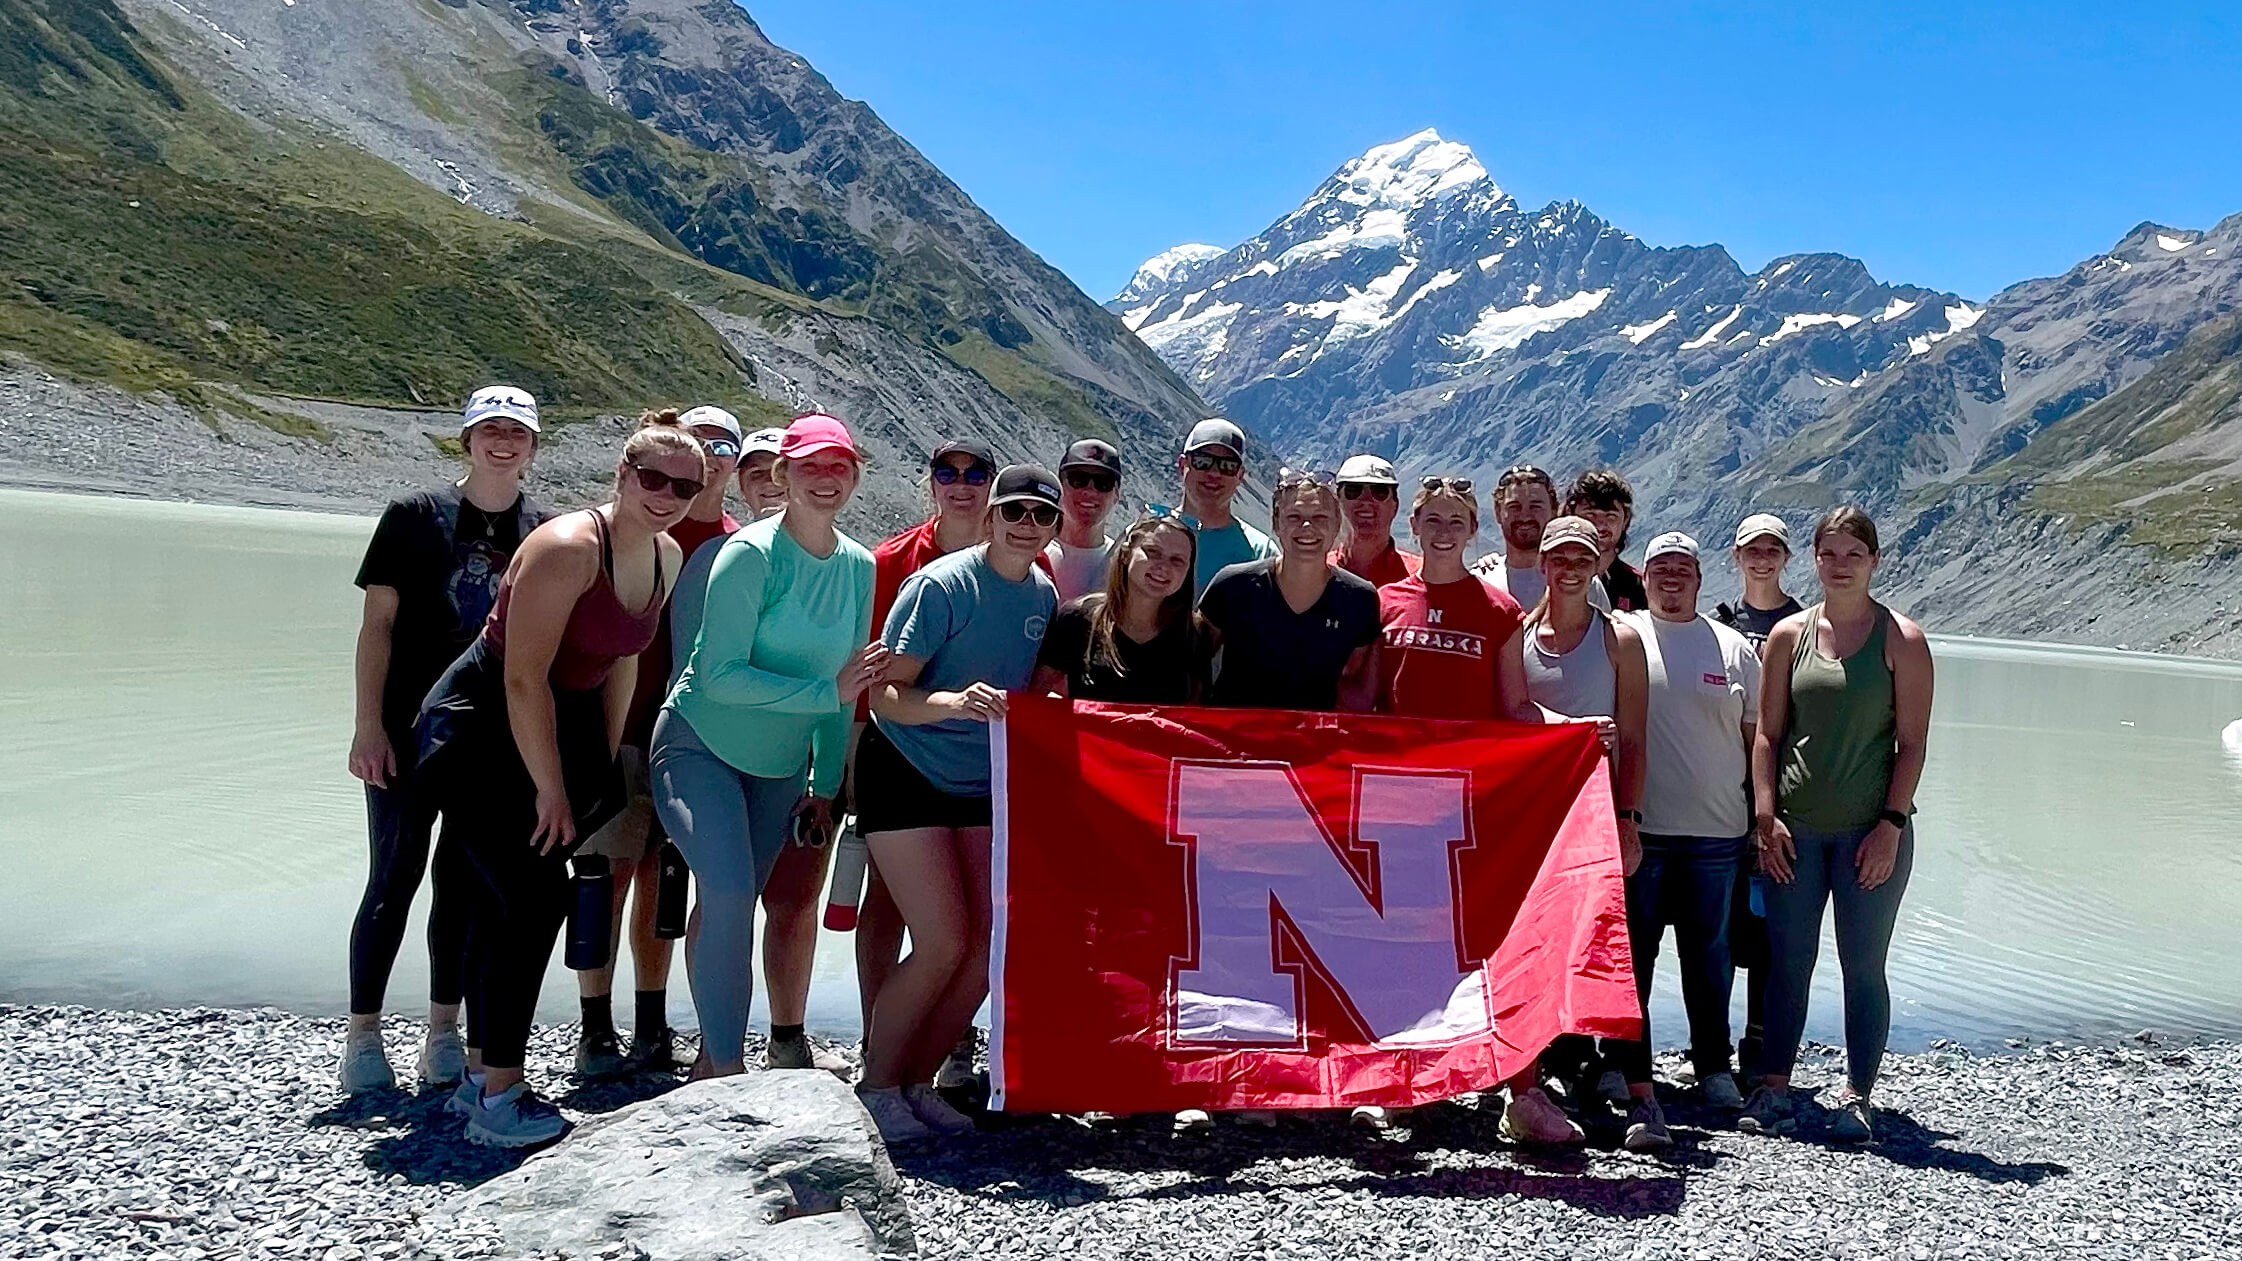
x=892 y=1116
x=365 y=1065
x=463 y=1101
x=790 y=1052
x=599 y=1057
x=1646 y=1127
x=1768 y=1112
x=1720 y=1092
x=443 y=1058
x=936 y=1112
x=515 y=1118
x=1853 y=1120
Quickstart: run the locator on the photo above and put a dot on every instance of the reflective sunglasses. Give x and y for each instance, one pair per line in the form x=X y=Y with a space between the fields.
x=721 y=448
x=1014 y=510
x=1087 y=479
x=971 y=475
x=1453 y=485
x=1170 y=512
x=655 y=481
x=1228 y=465
x=1375 y=490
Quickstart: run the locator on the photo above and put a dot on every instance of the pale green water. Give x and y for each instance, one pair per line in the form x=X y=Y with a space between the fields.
x=177 y=826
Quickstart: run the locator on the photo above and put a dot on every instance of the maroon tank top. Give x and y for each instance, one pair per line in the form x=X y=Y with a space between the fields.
x=600 y=630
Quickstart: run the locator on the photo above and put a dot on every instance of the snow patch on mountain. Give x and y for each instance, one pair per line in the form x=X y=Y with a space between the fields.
x=1506 y=328
x=1168 y=268
x=1410 y=172
x=1710 y=335
x=2170 y=244
x=1898 y=309
x=1800 y=323
x=1640 y=333
x=1378 y=230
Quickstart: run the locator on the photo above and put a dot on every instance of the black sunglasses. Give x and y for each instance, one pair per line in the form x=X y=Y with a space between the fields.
x=1226 y=464
x=655 y=481
x=1453 y=485
x=1014 y=510
x=1376 y=490
x=1086 y=479
x=971 y=474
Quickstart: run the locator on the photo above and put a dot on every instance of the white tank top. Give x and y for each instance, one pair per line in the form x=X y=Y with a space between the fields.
x=1578 y=684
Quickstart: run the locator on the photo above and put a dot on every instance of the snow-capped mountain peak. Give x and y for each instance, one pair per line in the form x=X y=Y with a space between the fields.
x=1410 y=172
x=1168 y=269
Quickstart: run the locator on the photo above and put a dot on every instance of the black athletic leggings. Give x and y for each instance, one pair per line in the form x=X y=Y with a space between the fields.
x=399 y=822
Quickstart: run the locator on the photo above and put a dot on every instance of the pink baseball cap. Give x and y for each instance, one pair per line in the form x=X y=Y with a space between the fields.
x=817 y=432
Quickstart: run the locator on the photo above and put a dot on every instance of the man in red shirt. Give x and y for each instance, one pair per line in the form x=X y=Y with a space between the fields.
x=1370 y=495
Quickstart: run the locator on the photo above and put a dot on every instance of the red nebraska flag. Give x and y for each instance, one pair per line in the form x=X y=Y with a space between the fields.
x=1233 y=908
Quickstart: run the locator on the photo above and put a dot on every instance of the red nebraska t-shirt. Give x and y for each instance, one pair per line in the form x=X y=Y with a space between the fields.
x=1439 y=657
x=1392 y=565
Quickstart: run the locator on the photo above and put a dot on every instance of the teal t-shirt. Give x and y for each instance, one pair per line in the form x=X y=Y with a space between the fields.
x=969 y=624
x=776 y=625
x=1233 y=544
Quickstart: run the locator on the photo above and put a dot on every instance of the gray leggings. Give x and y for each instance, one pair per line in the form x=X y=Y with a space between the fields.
x=731 y=828
x=1827 y=872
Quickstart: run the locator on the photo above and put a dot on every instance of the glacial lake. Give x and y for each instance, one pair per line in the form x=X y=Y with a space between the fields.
x=177 y=826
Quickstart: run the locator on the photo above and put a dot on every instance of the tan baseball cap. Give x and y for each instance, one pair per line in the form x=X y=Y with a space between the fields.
x=1763 y=525
x=1572 y=530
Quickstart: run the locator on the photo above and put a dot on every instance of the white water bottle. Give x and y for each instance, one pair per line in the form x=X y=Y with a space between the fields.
x=847 y=890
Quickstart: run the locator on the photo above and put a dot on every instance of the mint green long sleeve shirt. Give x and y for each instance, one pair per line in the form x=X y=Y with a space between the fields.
x=776 y=626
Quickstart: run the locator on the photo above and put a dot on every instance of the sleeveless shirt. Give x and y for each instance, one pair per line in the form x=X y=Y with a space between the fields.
x=1837 y=753
x=600 y=631
x=1578 y=684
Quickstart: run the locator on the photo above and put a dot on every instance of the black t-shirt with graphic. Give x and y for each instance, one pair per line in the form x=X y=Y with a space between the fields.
x=1755 y=624
x=1274 y=658
x=1624 y=584
x=445 y=557
x=1169 y=669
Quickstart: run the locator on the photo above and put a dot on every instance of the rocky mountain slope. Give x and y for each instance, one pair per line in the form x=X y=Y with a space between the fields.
x=1412 y=308
x=242 y=206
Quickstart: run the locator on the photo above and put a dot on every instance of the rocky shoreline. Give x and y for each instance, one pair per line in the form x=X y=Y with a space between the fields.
x=219 y=1133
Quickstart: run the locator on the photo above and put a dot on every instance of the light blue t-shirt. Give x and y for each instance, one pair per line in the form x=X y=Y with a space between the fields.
x=970 y=625
x=1233 y=544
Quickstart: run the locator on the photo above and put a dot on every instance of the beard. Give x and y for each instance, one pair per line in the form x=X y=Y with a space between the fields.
x=1524 y=535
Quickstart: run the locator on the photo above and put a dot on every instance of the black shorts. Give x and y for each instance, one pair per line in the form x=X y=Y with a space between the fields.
x=891 y=795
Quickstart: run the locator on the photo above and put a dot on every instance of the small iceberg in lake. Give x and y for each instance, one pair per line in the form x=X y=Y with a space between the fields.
x=2232 y=737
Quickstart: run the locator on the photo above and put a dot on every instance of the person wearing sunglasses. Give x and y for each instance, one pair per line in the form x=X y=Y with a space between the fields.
x=1370 y=495
x=963 y=633
x=519 y=738
x=958 y=476
x=1091 y=472
x=430 y=574
x=1213 y=467
x=749 y=749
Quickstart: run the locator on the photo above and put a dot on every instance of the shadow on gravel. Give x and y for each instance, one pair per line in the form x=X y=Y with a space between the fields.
x=1043 y=1159
x=1902 y=1141
x=422 y=1143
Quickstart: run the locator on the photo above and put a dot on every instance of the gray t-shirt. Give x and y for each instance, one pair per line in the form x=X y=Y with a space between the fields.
x=1704 y=685
x=1078 y=571
x=1527 y=585
x=969 y=624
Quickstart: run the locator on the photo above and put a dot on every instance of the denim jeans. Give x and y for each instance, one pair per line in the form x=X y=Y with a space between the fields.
x=1826 y=873
x=1686 y=882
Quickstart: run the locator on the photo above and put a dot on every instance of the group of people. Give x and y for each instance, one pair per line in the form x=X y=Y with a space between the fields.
x=532 y=679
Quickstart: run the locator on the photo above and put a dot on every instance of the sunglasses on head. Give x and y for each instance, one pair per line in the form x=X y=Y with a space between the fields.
x=1172 y=513
x=1453 y=485
x=1375 y=490
x=1291 y=477
x=655 y=481
x=1018 y=509
x=1090 y=479
x=972 y=474
x=1224 y=464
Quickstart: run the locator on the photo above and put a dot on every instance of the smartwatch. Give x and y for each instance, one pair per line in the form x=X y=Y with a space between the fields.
x=1632 y=816
x=1897 y=818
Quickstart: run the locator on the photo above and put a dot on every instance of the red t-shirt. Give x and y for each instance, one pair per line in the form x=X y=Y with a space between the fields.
x=1441 y=641
x=654 y=664
x=1392 y=565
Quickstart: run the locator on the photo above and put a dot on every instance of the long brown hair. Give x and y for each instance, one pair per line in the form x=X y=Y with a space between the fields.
x=1105 y=607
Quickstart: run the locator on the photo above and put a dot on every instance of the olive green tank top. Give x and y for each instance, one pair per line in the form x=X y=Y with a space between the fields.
x=1838 y=750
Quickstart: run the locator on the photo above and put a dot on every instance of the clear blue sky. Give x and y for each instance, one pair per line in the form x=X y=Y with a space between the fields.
x=1963 y=146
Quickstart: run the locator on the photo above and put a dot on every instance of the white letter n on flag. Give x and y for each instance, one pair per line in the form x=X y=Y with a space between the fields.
x=1275 y=895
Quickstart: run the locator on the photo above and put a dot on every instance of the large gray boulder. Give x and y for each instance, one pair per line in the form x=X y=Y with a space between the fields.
x=774 y=1166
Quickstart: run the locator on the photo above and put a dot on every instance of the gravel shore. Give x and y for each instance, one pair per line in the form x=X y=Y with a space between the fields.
x=205 y=1133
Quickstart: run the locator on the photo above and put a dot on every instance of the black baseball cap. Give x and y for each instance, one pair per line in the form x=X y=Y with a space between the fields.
x=1091 y=453
x=974 y=447
x=1029 y=483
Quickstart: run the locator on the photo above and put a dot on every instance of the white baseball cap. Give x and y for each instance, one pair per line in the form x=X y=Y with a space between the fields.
x=499 y=402
x=763 y=440
x=1367 y=468
x=1763 y=525
x=1671 y=543
x=714 y=418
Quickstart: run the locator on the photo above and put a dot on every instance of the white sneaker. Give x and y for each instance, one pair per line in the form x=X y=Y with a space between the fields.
x=463 y=1101
x=892 y=1116
x=365 y=1065
x=1533 y=1117
x=1721 y=1092
x=443 y=1058
x=1371 y=1117
x=514 y=1118
x=1613 y=1087
x=936 y=1111
x=1193 y=1121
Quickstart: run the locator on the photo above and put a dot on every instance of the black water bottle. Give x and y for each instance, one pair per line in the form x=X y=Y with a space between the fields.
x=671 y=881
x=593 y=887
